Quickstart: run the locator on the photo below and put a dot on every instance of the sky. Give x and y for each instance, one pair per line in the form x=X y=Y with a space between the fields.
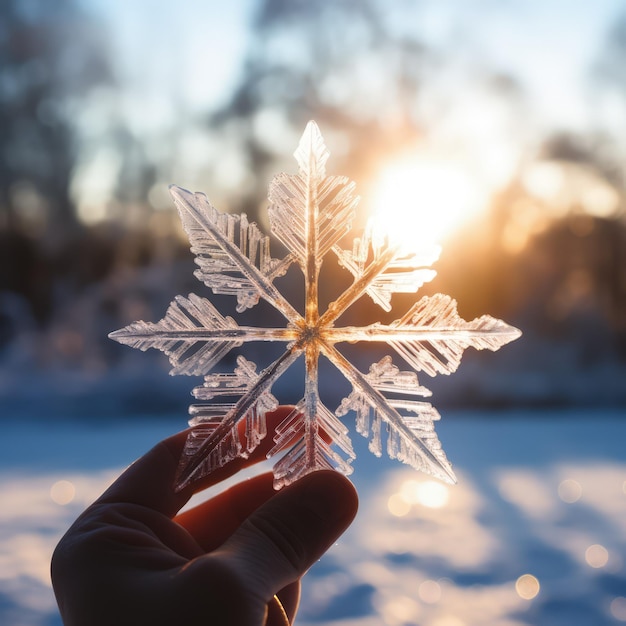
x=191 y=46
x=178 y=61
x=552 y=46
x=197 y=47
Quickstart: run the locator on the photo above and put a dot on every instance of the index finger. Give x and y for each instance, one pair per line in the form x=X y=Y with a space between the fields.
x=149 y=481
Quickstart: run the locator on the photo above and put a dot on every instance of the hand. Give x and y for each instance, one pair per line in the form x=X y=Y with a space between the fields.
x=131 y=559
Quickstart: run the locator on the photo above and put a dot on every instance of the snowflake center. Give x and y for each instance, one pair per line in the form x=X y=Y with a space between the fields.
x=310 y=334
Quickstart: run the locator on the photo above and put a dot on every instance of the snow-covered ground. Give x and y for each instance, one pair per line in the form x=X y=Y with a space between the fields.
x=534 y=533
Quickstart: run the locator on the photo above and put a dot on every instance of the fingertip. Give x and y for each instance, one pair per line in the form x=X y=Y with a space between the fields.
x=280 y=541
x=331 y=496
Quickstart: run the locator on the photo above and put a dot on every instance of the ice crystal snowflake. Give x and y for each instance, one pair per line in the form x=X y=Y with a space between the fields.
x=309 y=213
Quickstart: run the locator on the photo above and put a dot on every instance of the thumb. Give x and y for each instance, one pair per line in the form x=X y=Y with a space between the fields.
x=280 y=541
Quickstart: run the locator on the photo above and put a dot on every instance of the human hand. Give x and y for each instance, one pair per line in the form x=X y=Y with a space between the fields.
x=130 y=558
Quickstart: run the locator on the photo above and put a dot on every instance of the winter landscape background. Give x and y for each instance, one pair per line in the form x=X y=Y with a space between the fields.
x=500 y=127
x=533 y=533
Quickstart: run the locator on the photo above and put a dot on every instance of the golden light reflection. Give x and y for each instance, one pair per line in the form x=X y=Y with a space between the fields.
x=566 y=186
x=618 y=608
x=527 y=586
x=527 y=219
x=427 y=493
x=401 y=610
x=545 y=180
x=397 y=505
x=570 y=490
x=420 y=200
x=597 y=556
x=62 y=492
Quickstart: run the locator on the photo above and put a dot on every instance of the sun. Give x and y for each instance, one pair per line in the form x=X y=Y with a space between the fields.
x=422 y=199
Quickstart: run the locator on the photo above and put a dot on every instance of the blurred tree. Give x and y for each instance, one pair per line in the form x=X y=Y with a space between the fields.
x=608 y=97
x=597 y=258
x=51 y=55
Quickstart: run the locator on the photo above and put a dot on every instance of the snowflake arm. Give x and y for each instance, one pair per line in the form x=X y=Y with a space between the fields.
x=191 y=321
x=431 y=336
x=187 y=321
x=214 y=439
x=312 y=450
x=233 y=256
x=381 y=270
x=411 y=439
x=309 y=211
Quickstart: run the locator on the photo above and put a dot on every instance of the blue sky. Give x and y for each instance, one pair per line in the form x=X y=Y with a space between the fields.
x=196 y=47
x=192 y=46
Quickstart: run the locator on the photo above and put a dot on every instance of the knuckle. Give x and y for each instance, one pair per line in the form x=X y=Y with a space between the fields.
x=282 y=541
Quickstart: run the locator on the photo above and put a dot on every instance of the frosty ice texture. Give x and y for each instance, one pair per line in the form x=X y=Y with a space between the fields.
x=309 y=213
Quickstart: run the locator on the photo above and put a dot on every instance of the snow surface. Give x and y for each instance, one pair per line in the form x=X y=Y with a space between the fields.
x=542 y=494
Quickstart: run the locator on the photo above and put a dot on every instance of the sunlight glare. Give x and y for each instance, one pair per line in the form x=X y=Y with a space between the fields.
x=424 y=200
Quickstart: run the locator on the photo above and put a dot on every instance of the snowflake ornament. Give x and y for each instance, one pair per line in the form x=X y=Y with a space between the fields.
x=309 y=213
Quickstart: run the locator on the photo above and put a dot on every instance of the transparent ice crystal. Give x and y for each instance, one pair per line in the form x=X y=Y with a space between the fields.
x=310 y=213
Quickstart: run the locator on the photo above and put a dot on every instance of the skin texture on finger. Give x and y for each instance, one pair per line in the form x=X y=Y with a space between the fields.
x=212 y=522
x=271 y=550
x=125 y=564
x=280 y=541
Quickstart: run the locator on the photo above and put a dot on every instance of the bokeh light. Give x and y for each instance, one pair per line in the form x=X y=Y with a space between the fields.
x=400 y=610
x=618 y=608
x=62 y=492
x=398 y=505
x=429 y=591
x=570 y=490
x=428 y=493
x=597 y=556
x=527 y=586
